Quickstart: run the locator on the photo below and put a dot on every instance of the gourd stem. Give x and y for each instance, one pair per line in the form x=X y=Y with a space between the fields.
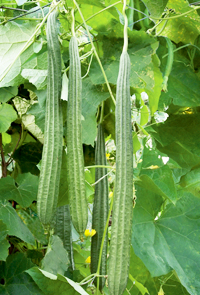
x=73 y=23
x=125 y=28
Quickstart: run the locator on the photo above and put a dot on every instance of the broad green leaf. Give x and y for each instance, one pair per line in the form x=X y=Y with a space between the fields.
x=14 y=224
x=4 y=245
x=169 y=241
x=183 y=29
x=191 y=182
x=28 y=156
x=16 y=281
x=92 y=96
x=36 y=77
x=179 y=138
x=50 y=284
x=6 y=138
x=34 y=225
x=144 y=111
x=20 y=2
x=160 y=181
x=56 y=258
x=7 y=116
x=13 y=37
x=24 y=193
x=156 y=7
x=7 y=93
x=183 y=86
x=141 y=49
x=136 y=142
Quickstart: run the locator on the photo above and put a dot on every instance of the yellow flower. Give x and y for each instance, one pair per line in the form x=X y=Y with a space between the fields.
x=89 y=233
x=107 y=155
x=88 y=260
x=110 y=194
x=161 y=292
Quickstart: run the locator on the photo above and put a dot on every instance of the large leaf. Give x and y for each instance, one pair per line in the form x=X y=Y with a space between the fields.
x=56 y=258
x=141 y=49
x=4 y=245
x=181 y=29
x=7 y=116
x=7 y=93
x=183 y=86
x=179 y=138
x=14 y=224
x=50 y=284
x=170 y=241
x=16 y=281
x=160 y=181
x=191 y=182
x=24 y=193
x=155 y=7
x=13 y=37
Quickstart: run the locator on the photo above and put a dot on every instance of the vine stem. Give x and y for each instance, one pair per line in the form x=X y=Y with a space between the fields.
x=176 y=16
x=125 y=48
x=95 y=52
x=29 y=42
x=102 y=243
x=99 y=166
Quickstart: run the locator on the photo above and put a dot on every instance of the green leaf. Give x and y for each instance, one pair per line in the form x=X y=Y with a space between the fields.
x=6 y=93
x=36 y=77
x=16 y=281
x=156 y=7
x=7 y=116
x=159 y=181
x=56 y=258
x=136 y=142
x=13 y=37
x=191 y=182
x=14 y=224
x=6 y=138
x=183 y=29
x=183 y=87
x=33 y=223
x=50 y=284
x=169 y=241
x=24 y=194
x=179 y=138
x=4 y=245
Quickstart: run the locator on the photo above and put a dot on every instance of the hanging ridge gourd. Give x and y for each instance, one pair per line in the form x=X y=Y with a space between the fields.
x=100 y=210
x=76 y=177
x=119 y=257
x=48 y=188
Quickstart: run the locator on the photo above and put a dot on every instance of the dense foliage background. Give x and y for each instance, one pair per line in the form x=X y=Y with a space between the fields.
x=165 y=252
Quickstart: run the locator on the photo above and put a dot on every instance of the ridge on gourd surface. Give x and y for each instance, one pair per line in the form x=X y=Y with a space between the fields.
x=48 y=188
x=100 y=210
x=118 y=267
x=75 y=160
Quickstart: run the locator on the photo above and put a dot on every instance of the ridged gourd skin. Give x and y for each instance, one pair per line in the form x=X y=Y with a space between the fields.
x=75 y=160
x=62 y=229
x=48 y=188
x=100 y=209
x=118 y=265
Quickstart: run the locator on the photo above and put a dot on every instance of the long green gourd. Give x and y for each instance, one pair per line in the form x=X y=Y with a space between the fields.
x=53 y=134
x=62 y=228
x=76 y=179
x=119 y=257
x=100 y=210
